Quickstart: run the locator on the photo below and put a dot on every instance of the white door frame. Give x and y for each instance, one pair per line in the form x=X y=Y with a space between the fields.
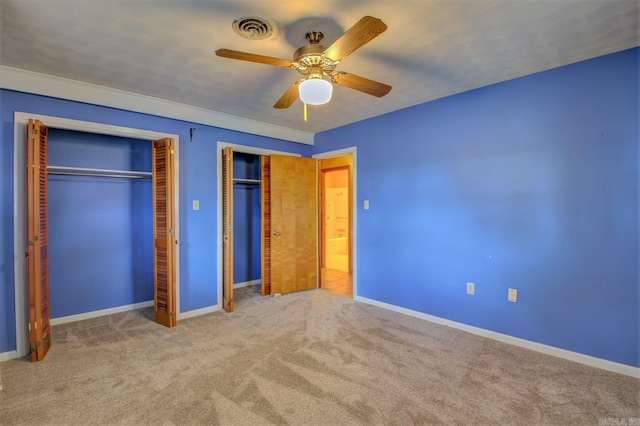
x=354 y=220
x=20 y=121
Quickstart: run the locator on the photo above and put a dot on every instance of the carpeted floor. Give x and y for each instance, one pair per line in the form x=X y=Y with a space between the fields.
x=311 y=358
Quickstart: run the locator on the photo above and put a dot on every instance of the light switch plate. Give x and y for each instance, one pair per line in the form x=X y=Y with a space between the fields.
x=196 y=204
x=471 y=288
x=366 y=204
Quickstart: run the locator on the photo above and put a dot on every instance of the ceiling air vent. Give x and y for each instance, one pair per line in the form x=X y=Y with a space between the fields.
x=253 y=28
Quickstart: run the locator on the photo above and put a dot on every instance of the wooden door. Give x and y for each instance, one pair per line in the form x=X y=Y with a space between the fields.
x=293 y=224
x=265 y=225
x=37 y=240
x=227 y=229
x=164 y=236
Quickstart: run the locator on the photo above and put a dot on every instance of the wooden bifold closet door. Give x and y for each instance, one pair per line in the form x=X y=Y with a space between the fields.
x=288 y=209
x=164 y=235
x=37 y=240
x=227 y=229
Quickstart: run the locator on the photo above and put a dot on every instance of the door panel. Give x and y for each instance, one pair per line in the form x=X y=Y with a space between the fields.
x=293 y=224
x=227 y=229
x=265 y=224
x=37 y=240
x=164 y=236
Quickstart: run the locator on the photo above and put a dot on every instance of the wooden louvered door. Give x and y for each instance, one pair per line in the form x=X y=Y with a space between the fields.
x=227 y=229
x=37 y=237
x=164 y=237
x=293 y=224
x=265 y=224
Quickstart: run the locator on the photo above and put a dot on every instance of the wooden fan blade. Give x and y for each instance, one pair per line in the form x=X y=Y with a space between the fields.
x=289 y=96
x=243 y=56
x=361 y=84
x=355 y=37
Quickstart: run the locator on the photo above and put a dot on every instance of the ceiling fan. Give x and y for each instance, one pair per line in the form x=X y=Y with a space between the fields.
x=318 y=63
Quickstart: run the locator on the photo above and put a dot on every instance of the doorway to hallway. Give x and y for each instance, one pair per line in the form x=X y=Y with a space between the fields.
x=336 y=211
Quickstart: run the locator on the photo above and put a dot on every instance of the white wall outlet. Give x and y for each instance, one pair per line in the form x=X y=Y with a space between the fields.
x=366 y=204
x=512 y=295
x=471 y=288
x=196 y=204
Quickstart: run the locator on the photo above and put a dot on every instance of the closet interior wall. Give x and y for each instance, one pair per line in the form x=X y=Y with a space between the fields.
x=246 y=219
x=100 y=222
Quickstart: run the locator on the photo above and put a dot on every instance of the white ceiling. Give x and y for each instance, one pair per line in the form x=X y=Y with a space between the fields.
x=431 y=49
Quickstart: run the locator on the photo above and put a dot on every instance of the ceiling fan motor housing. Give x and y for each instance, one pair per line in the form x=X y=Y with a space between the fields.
x=310 y=56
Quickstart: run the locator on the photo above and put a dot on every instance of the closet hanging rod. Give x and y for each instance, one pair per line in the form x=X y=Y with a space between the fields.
x=85 y=171
x=246 y=181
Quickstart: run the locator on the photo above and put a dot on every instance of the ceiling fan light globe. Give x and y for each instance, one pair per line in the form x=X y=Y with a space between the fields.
x=315 y=91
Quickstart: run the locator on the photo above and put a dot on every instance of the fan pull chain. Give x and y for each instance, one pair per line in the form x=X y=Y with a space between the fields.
x=305 y=112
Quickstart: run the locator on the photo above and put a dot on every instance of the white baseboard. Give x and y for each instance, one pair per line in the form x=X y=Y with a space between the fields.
x=198 y=312
x=6 y=356
x=603 y=364
x=95 y=314
x=247 y=283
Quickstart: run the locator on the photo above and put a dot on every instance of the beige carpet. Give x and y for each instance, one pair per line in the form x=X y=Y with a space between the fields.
x=311 y=358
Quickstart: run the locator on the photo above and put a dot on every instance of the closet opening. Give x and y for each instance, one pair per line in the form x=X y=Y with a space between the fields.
x=246 y=226
x=277 y=222
x=100 y=223
x=95 y=197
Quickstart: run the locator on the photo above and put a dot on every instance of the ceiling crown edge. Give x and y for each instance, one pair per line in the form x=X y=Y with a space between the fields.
x=43 y=84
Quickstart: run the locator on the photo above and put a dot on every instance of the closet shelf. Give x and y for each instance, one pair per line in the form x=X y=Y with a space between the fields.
x=247 y=181
x=84 y=171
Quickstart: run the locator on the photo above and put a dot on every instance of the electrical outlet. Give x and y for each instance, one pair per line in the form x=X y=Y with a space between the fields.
x=471 y=288
x=512 y=295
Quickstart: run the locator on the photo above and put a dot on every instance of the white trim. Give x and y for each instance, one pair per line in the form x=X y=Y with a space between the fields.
x=6 y=356
x=246 y=150
x=100 y=313
x=199 y=312
x=591 y=361
x=354 y=244
x=247 y=284
x=63 y=88
x=19 y=142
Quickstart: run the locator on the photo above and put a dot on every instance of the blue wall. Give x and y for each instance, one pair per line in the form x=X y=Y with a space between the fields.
x=530 y=184
x=198 y=180
x=100 y=228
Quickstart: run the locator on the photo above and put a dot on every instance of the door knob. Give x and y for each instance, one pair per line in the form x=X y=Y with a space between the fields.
x=276 y=233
